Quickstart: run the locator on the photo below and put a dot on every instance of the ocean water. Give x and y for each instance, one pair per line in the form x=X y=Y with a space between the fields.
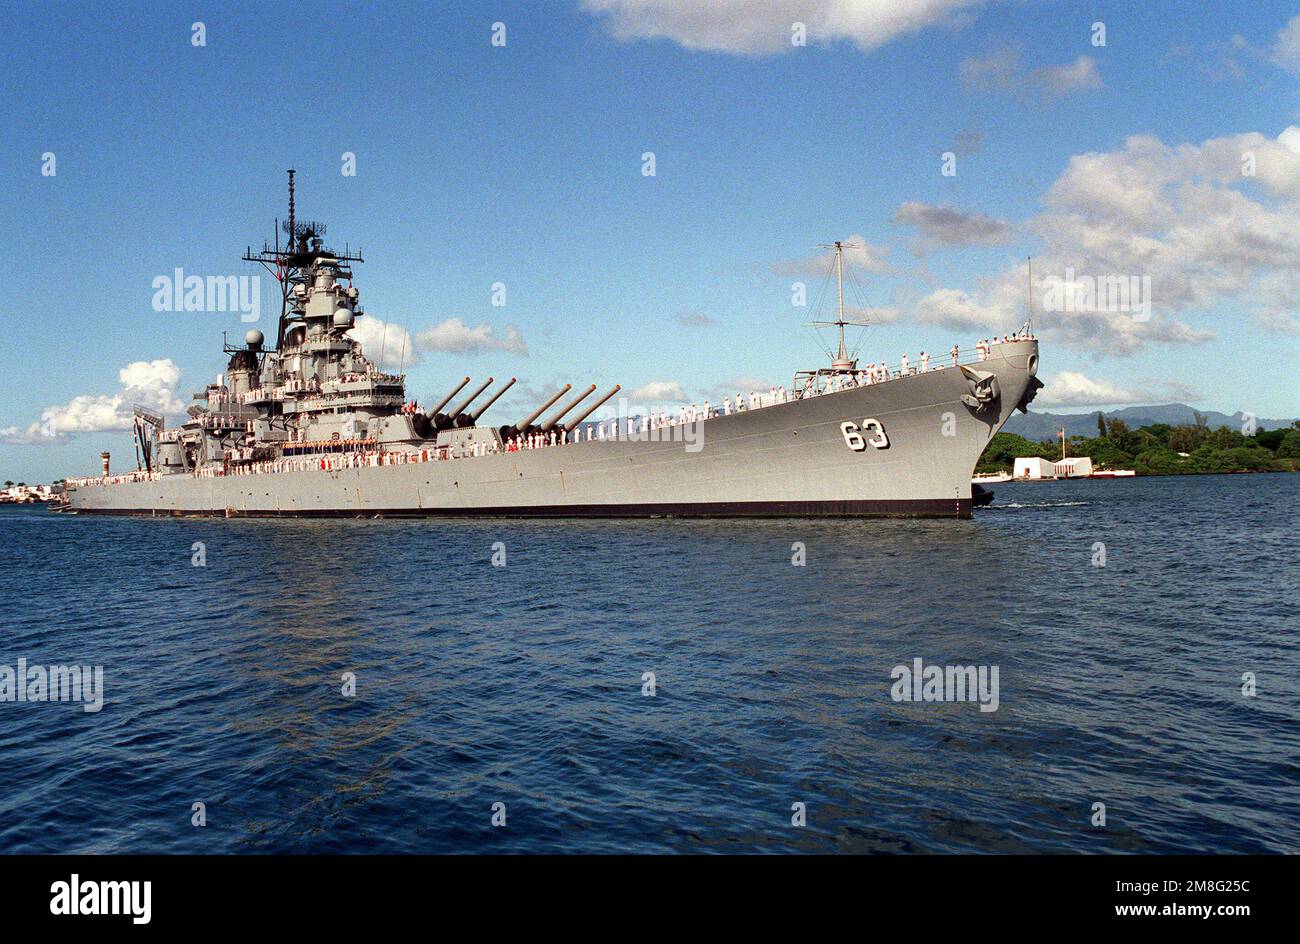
x=524 y=685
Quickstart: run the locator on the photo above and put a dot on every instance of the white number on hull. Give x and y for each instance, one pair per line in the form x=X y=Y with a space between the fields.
x=880 y=440
x=853 y=435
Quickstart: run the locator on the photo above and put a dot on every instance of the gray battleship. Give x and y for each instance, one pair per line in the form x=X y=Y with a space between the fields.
x=312 y=427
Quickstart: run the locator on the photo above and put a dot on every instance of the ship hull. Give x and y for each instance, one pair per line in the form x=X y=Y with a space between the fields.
x=788 y=460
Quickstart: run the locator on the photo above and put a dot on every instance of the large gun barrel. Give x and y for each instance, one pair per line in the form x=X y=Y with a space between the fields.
x=493 y=399
x=447 y=399
x=549 y=424
x=456 y=412
x=569 y=427
x=527 y=420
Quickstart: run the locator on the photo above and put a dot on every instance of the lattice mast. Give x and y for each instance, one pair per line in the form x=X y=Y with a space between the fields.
x=304 y=245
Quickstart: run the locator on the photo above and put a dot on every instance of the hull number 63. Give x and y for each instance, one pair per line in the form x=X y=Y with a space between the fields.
x=853 y=435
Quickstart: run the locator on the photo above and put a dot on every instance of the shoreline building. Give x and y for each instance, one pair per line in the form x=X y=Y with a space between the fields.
x=1037 y=468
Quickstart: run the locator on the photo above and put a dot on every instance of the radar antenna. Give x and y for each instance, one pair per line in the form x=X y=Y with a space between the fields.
x=303 y=229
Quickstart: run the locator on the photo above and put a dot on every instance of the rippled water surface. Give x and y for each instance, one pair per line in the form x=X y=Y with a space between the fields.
x=523 y=684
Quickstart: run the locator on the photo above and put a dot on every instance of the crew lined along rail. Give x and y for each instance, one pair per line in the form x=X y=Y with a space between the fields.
x=594 y=432
x=835 y=381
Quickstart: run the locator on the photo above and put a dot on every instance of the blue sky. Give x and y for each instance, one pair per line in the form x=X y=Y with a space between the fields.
x=522 y=164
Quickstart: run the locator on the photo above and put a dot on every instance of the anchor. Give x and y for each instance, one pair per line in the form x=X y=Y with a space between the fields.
x=984 y=390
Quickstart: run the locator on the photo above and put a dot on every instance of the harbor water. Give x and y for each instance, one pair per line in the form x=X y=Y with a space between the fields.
x=665 y=685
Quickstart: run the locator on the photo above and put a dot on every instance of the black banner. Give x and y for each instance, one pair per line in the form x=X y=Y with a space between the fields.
x=214 y=893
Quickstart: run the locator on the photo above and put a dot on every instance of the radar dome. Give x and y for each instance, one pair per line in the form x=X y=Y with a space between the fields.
x=342 y=318
x=253 y=338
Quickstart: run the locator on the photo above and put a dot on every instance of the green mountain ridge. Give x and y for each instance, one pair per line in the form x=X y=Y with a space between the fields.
x=1036 y=425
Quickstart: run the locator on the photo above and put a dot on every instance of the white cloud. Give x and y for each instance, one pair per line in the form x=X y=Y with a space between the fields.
x=659 y=391
x=1058 y=81
x=954 y=309
x=150 y=384
x=1070 y=388
x=1221 y=61
x=1073 y=389
x=943 y=225
x=455 y=337
x=1186 y=217
x=1279 y=315
x=31 y=436
x=1290 y=139
x=996 y=72
x=1182 y=216
x=1001 y=71
x=1227 y=60
x=390 y=346
x=1286 y=47
x=758 y=27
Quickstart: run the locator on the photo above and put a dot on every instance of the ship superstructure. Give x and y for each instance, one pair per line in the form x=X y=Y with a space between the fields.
x=311 y=426
x=314 y=390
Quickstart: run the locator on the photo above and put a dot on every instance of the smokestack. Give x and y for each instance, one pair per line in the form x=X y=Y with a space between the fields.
x=103 y=457
x=569 y=427
x=546 y=426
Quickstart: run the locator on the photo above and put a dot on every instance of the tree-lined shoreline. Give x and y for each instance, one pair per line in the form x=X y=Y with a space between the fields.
x=1158 y=449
